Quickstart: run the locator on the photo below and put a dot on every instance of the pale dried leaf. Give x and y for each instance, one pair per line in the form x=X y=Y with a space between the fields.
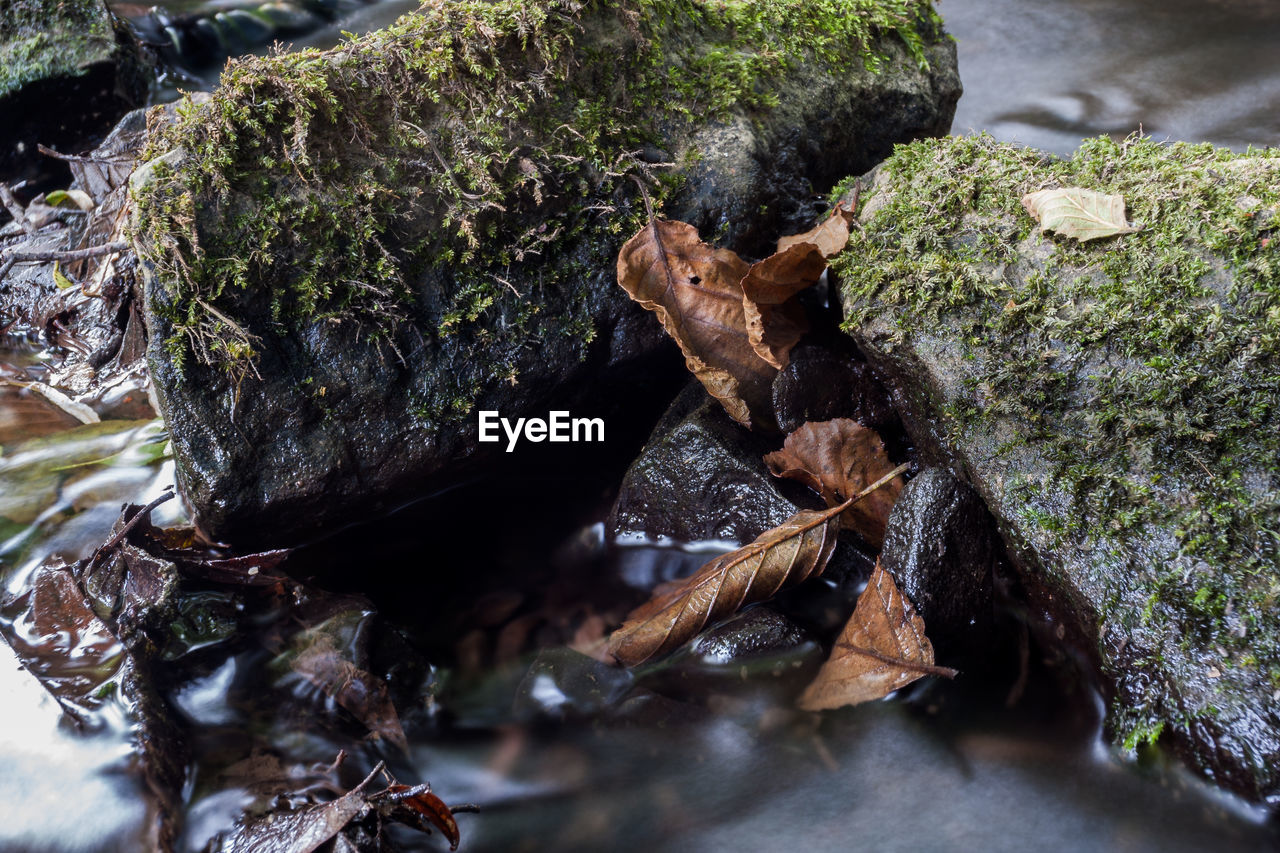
x=882 y=648
x=838 y=459
x=1078 y=213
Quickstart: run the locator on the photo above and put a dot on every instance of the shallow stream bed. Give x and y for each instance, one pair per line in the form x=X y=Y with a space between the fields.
x=485 y=586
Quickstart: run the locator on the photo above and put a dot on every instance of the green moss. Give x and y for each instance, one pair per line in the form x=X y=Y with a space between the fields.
x=1143 y=735
x=1167 y=452
x=47 y=38
x=415 y=171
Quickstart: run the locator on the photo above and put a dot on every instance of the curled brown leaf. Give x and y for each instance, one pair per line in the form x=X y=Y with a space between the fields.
x=775 y=321
x=829 y=236
x=837 y=459
x=882 y=648
x=695 y=290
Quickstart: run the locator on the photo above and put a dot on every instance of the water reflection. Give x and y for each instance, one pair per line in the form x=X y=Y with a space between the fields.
x=1048 y=74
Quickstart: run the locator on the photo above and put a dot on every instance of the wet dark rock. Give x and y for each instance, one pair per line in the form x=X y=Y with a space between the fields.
x=942 y=548
x=562 y=683
x=69 y=69
x=821 y=385
x=1115 y=405
x=700 y=477
x=343 y=424
x=758 y=649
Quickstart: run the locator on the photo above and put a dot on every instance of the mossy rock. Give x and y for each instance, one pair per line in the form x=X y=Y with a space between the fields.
x=350 y=252
x=1116 y=403
x=70 y=69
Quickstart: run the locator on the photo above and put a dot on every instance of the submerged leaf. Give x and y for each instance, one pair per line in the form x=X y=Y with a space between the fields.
x=1078 y=213
x=789 y=553
x=882 y=648
x=696 y=292
x=331 y=656
x=837 y=459
x=301 y=830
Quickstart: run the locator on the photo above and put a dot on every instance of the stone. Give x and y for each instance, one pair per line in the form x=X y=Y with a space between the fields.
x=69 y=69
x=820 y=385
x=340 y=274
x=1115 y=403
x=942 y=549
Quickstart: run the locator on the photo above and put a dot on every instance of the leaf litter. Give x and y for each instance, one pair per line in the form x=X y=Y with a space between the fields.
x=795 y=550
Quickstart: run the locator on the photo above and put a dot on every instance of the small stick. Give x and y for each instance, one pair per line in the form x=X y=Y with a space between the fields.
x=145 y=512
x=15 y=209
x=69 y=254
x=72 y=158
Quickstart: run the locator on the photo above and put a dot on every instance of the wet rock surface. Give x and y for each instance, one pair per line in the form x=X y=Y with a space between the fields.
x=1127 y=453
x=69 y=70
x=332 y=425
x=943 y=549
x=819 y=384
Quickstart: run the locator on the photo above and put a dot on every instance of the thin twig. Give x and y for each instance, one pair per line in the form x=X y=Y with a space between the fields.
x=72 y=158
x=145 y=512
x=67 y=254
x=16 y=210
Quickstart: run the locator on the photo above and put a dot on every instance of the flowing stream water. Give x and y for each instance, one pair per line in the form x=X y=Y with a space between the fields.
x=702 y=760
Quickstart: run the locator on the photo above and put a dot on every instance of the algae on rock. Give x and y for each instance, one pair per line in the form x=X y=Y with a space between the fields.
x=1116 y=403
x=348 y=252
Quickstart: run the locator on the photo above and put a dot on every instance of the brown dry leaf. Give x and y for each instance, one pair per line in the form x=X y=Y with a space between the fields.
x=695 y=289
x=775 y=321
x=324 y=657
x=789 y=553
x=838 y=459
x=882 y=648
x=829 y=236
x=1078 y=213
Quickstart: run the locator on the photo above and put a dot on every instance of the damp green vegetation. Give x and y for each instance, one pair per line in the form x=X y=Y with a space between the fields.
x=417 y=172
x=46 y=38
x=1145 y=368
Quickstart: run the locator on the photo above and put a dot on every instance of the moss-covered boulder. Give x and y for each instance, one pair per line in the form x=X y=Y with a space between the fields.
x=1116 y=403
x=69 y=69
x=351 y=252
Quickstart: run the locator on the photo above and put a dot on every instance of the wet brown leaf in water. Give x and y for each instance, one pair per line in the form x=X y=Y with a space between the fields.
x=696 y=292
x=301 y=830
x=882 y=648
x=789 y=553
x=794 y=550
x=325 y=658
x=829 y=236
x=837 y=459
x=1078 y=213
